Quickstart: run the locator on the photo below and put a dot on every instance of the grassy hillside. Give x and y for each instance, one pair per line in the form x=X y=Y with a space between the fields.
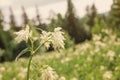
x=98 y=59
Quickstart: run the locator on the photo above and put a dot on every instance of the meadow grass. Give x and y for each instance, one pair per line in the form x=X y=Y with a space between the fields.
x=98 y=59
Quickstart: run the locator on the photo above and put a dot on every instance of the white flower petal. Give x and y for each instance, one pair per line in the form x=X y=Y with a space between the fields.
x=23 y=35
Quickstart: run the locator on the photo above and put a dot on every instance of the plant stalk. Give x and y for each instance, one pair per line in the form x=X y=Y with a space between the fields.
x=28 y=69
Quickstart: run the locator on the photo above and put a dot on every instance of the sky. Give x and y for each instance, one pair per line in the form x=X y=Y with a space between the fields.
x=26 y=3
x=49 y=8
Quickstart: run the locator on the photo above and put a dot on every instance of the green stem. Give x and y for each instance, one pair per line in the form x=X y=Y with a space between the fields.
x=28 y=70
x=37 y=48
x=32 y=45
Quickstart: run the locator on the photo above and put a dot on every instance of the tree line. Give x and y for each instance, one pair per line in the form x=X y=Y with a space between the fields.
x=78 y=29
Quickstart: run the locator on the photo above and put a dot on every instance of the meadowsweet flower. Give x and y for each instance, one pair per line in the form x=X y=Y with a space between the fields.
x=47 y=73
x=106 y=31
x=89 y=58
x=107 y=75
x=46 y=39
x=102 y=67
x=111 y=54
x=67 y=59
x=23 y=35
x=74 y=78
x=62 y=78
x=1 y=76
x=58 y=39
x=96 y=37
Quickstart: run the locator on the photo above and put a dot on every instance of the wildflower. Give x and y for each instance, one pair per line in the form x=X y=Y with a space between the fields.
x=116 y=68
x=23 y=35
x=67 y=59
x=2 y=68
x=46 y=39
x=58 y=39
x=111 y=54
x=96 y=37
x=62 y=78
x=85 y=47
x=1 y=76
x=47 y=73
x=89 y=58
x=106 y=31
x=74 y=78
x=76 y=66
x=107 y=75
x=102 y=67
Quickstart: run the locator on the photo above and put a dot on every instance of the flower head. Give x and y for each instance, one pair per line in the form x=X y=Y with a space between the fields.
x=23 y=35
x=62 y=78
x=47 y=73
x=46 y=39
x=107 y=75
x=58 y=39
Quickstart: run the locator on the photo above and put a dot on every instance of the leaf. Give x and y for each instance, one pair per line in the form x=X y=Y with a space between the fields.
x=23 y=52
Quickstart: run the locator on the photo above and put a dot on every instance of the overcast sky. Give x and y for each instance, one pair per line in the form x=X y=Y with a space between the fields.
x=47 y=7
x=27 y=3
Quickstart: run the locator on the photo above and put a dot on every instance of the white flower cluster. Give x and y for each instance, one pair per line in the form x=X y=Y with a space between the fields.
x=107 y=75
x=47 y=73
x=55 y=38
x=23 y=35
x=111 y=55
x=46 y=38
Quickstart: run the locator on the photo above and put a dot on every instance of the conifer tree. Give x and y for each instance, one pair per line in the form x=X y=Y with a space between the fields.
x=24 y=16
x=92 y=14
x=4 y=41
x=1 y=30
x=88 y=11
x=73 y=25
x=115 y=12
x=12 y=19
x=38 y=16
x=1 y=16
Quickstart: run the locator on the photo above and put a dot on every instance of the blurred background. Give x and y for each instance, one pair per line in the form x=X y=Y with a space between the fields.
x=80 y=19
x=47 y=9
x=92 y=33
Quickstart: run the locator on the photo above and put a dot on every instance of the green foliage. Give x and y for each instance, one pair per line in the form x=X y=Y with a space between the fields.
x=97 y=59
x=7 y=44
x=91 y=14
x=68 y=41
x=99 y=25
x=12 y=19
x=59 y=21
x=114 y=18
x=74 y=26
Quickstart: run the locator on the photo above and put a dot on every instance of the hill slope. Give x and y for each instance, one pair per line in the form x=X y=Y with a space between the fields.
x=98 y=59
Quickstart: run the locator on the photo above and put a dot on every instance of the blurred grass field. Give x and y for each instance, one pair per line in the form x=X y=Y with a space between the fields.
x=98 y=59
